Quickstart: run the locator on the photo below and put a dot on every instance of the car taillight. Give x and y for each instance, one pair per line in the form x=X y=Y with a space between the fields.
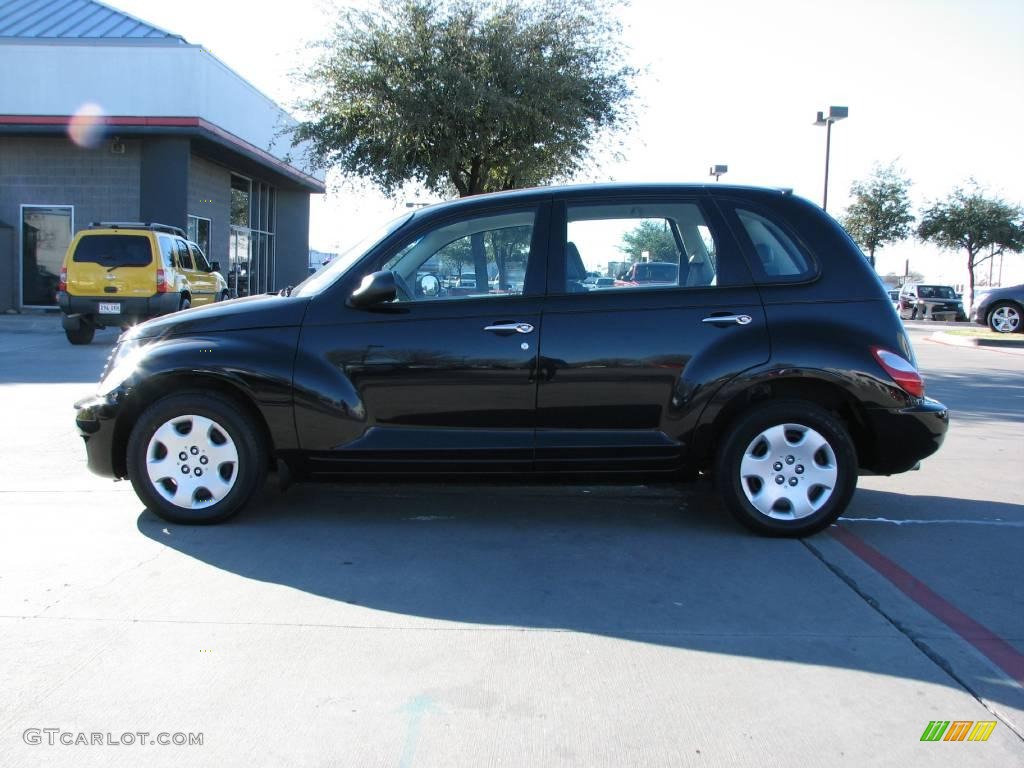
x=62 y=284
x=161 y=282
x=901 y=370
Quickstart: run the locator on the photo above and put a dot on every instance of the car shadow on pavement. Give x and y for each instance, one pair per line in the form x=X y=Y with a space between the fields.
x=670 y=569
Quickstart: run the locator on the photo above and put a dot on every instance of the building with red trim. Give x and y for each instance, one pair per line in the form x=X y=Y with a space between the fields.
x=104 y=117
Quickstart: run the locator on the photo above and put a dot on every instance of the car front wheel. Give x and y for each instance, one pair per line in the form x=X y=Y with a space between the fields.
x=787 y=468
x=1005 y=318
x=195 y=458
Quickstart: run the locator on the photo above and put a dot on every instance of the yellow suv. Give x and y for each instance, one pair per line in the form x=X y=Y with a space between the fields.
x=118 y=273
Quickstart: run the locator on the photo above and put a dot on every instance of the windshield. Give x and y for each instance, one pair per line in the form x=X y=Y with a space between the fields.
x=318 y=281
x=935 y=292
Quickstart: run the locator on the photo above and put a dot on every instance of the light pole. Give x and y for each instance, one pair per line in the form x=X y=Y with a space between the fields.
x=835 y=114
x=718 y=170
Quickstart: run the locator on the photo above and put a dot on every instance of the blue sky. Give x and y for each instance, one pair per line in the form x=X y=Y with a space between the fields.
x=936 y=86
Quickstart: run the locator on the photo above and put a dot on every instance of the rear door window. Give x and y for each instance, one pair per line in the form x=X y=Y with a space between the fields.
x=184 y=258
x=200 y=259
x=640 y=245
x=113 y=250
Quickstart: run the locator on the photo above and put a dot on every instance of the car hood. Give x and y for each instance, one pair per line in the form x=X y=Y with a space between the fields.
x=263 y=311
x=1011 y=291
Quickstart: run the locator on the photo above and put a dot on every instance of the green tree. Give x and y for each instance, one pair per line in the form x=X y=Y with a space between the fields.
x=969 y=221
x=467 y=95
x=651 y=236
x=880 y=212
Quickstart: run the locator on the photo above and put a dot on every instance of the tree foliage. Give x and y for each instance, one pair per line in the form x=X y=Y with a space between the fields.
x=466 y=95
x=653 y=237
x=880 y=213
x=969 y=221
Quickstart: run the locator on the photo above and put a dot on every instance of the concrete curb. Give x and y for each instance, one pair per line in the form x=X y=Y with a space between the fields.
x=1012 y=345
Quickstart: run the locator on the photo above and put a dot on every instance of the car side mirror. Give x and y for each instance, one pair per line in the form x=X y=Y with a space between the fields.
x=215 y=266
x=430 y=285
x=376 y=288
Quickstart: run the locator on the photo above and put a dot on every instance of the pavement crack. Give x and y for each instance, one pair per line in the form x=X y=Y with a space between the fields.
x=934 y=656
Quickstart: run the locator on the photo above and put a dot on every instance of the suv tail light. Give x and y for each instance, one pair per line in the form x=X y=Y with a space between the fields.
x=161 y=282
x=901 y=370
x=62 y=284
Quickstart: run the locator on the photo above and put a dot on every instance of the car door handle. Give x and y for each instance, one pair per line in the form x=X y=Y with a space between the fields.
x=509 y=328
x=736 y=319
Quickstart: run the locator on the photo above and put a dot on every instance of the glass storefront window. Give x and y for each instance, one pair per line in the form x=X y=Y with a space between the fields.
x=251 y=246
x=46 y=232
x=199 y=232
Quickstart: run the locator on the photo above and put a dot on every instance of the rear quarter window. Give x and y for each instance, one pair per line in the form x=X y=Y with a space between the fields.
x=114 y=251
x=776 y=255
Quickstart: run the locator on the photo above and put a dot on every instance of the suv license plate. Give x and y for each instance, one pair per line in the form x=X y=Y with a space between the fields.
x=110 y=309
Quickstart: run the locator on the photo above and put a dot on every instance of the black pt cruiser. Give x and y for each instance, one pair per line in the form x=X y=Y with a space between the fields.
x=467 y=338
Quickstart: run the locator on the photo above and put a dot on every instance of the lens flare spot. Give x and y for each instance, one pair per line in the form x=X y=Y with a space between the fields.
x=87 y=126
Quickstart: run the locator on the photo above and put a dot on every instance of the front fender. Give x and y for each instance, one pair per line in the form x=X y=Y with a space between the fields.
x=258 y=364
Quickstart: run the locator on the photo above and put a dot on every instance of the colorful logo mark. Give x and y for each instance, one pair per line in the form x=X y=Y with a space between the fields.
x=958 y=730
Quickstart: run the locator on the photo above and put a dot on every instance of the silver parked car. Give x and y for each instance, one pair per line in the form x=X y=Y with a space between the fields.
x=1001 y=309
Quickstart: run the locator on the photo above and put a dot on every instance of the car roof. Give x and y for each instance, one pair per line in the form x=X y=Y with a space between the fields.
x=611 y=188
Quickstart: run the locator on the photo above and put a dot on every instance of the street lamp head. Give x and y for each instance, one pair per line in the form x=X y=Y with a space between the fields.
x=835 y=114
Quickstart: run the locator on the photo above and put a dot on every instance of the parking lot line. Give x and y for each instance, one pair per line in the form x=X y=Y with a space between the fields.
x=945 y=521
x=993 y=647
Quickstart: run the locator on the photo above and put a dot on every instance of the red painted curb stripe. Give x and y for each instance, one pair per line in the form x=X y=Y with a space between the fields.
x=993 y=647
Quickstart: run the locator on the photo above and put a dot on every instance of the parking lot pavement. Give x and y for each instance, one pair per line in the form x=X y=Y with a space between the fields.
x=512 y=625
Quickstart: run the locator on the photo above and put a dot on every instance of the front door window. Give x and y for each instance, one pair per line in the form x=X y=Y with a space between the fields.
x=485 y=257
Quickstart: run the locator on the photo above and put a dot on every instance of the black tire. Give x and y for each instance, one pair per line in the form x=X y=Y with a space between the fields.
x=184 y=304
x=750 y=426
x=81 y=335
x=913 y=314
x=222 y=296
x=1010 y=312
x=248 y=472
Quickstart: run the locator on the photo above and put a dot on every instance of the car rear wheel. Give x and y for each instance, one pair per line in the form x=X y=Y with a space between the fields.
x=81 y=335
x=184 y=303
x=787 y=468
x=195 y=458
x=1005 y=317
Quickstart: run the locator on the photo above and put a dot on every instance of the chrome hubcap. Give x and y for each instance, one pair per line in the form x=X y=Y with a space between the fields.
x=192 y=462
x=1006 y=319
x=788 y=472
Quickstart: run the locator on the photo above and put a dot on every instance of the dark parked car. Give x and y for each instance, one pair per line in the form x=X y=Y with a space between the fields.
x=773 y=362
x=1001 y=309
x=930 y=302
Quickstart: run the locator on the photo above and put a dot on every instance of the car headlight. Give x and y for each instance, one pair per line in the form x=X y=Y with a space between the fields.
x=121 y=364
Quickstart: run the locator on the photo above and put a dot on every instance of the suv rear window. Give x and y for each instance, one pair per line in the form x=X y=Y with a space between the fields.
x=114 y=250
